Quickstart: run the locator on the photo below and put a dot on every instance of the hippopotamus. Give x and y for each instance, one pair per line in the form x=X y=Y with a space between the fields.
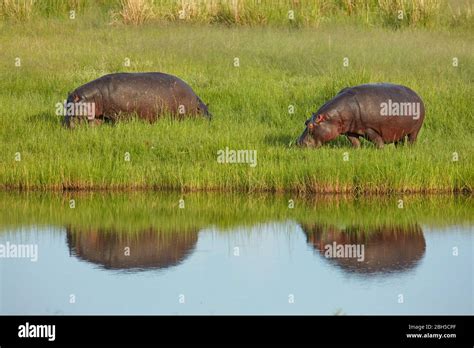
x=382 y=113
x=149 y=95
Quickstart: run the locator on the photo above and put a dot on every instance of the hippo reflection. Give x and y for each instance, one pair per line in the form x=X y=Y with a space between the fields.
x=149 y=249
x=387 y=249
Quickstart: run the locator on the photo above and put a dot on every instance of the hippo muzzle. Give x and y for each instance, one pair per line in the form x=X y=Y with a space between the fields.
x=307 y=140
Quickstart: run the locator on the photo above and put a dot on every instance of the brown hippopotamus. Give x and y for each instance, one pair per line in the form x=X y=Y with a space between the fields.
x=149 y=95
x=382 y=112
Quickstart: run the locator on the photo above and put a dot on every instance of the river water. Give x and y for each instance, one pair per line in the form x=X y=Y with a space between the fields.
x=208 y=254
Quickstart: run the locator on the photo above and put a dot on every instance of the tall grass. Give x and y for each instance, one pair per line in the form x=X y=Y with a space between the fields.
x=396 y=13
x=293 y=13
x=135 y=11
x=25 y=10
x=16 y=10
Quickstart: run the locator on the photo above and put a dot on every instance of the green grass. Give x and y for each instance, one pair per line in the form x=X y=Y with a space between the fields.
x=278 y=67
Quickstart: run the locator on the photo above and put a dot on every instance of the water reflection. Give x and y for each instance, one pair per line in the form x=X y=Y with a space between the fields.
x=280 y=252
x=387 y=249
x=137 y=251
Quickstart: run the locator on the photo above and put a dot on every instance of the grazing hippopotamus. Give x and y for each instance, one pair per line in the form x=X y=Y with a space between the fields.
x=383 y=113
x=149 y=95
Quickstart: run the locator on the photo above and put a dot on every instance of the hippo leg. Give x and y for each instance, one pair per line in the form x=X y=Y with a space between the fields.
x=400 y=142
x=354 y=139
x=95 y=122
x=412 y=137
x=375 y=138
x=75 y=121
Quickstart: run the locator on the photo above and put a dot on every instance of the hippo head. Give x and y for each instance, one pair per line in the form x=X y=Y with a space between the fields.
x=69 y=116
x=319 y=130
x=203 y=109
x=77 y=110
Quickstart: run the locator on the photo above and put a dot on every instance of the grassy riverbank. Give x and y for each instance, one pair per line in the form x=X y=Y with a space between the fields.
x=279 y=67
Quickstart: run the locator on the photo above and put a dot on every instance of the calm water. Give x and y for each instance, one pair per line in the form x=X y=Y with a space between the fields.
x=279 y=265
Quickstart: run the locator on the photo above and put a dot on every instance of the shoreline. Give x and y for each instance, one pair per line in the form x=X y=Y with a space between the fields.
x=153 y=188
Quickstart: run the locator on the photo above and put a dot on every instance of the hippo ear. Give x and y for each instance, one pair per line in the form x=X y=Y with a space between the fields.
x=310 y=125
